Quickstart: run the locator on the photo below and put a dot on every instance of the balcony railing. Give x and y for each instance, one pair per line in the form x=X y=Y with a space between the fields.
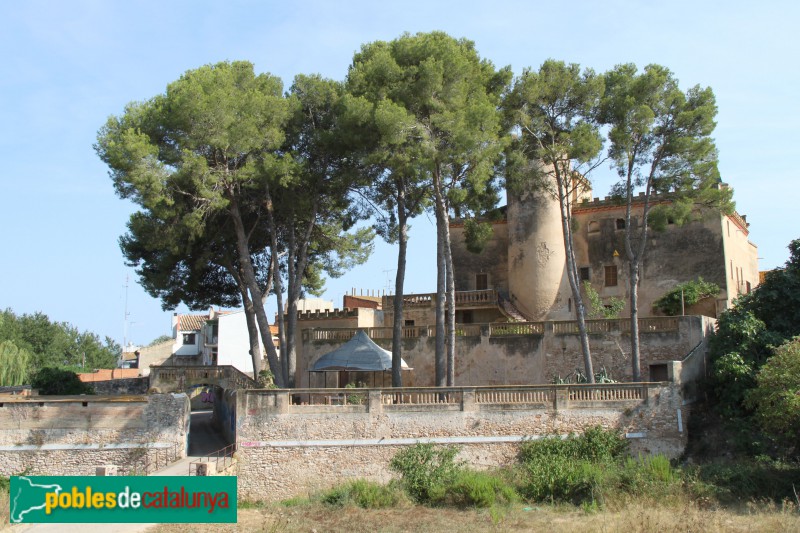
x=464 y=300
x=665 y=324
x=455 y=398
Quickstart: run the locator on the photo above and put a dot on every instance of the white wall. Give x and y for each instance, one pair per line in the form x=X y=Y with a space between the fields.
x=234 y=344
x=178 y=348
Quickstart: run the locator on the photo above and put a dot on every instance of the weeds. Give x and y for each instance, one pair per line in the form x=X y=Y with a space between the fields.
x=364 y=494
x=427 y=471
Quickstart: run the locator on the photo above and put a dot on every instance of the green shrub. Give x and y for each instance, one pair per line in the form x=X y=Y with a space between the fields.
x=652 y=475
x=480 y=489
x=363 y=493
x=776 y=398
x=573 y=469
x=57 y=381
x=744 y=481
x=427 y=471
x=594 y=444
x=691 y=292
x=562 y=479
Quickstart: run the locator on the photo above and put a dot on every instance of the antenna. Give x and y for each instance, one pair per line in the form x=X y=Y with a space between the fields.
x=388 y=285
x=125 y=318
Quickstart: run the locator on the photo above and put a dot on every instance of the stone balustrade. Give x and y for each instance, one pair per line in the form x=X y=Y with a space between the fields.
x=505 y=329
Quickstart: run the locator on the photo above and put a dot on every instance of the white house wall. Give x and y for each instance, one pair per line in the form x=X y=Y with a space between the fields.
x=234 y=342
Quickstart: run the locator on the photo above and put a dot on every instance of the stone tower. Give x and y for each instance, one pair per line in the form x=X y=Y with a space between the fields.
x=536 y=259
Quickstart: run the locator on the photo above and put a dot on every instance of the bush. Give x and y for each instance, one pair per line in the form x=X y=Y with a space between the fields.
x=594 y=444
x=776 y=398
x=364 y=494
x=480 y=489
x=571 y=469
x=744 y=481
x=562 y=479
x=427 y=471
x=691 y=292
x=652 y=475
x=57 y=381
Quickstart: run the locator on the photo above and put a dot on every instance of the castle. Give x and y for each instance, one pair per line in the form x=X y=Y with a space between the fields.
x=520 y=278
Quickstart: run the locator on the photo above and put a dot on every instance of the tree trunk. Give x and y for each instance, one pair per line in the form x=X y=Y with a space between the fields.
x=252 y=330
x=397 y=325
x=278 y=283
x=634 y=288
x=279 y=318
x=297 y=261
x=440 y=362
x=635 y=256
x=451 y=305
x=563 y=183
x=243 y=250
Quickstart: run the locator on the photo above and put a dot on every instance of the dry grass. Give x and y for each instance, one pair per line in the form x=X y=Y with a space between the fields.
x=634 y=518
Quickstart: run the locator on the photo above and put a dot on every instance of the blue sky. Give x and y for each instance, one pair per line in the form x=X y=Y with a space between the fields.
x=69 y=65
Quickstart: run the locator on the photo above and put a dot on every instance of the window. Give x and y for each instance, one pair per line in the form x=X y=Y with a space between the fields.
x=409 y=322
x=594 y=227
x=481 y=282
x=584 y=273
x=466 y=317
x=189 y=339
x=611 y=276
x=620 y=223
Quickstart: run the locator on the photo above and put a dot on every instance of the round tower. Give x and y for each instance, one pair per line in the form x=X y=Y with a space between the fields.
x=536 y=257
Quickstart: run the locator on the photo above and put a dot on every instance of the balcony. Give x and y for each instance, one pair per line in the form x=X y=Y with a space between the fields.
x=212 y=341
x=464 y=300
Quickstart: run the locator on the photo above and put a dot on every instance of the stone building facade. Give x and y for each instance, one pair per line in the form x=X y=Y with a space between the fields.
x=525 y=264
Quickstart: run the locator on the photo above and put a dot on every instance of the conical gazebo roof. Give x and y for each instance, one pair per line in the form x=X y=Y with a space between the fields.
x=359 y=353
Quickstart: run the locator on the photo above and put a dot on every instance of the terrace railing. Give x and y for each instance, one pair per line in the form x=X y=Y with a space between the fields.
x=454 y=398
x=504 y=329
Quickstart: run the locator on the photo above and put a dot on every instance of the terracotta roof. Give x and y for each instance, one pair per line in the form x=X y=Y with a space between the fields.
x=273 y=329
x=191 y=322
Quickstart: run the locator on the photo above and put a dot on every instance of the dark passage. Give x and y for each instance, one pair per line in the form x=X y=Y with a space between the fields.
x=204 y=438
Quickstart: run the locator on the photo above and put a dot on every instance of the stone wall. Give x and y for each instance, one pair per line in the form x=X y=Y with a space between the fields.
x=286 y=450
x=121 y=386
x=483 y=358
x=72 y=435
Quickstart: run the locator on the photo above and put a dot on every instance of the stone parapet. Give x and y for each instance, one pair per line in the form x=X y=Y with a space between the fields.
x=286 y=449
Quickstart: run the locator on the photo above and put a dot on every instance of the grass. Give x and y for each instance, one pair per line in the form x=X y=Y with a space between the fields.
x=640 y=515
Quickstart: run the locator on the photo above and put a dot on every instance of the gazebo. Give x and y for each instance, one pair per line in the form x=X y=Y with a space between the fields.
x=358 y=355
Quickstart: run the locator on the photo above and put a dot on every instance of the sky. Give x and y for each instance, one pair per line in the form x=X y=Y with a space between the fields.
x=71 y=65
